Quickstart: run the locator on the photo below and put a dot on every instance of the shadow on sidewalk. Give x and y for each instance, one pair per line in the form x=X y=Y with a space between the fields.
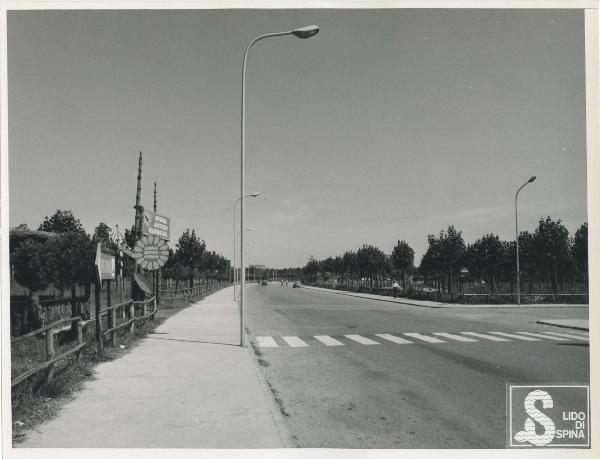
x=193 y=341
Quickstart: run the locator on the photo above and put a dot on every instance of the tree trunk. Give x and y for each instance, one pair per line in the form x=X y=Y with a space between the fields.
x=35 y=317
x=74 y=310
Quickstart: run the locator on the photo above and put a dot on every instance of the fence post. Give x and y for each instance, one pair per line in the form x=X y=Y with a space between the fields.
x=132 y=316
x=97 y=288
x=49 y=350
x=144 y=311
x=79 y=335
x=111 y=315
x=155 y=309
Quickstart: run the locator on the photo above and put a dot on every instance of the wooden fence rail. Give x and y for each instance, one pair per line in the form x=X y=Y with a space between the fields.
x=129 y=309
x=51 y=358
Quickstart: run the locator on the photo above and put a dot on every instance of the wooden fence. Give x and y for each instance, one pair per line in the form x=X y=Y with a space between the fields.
x=187 y=293
x=129 y=309
x=51 y=358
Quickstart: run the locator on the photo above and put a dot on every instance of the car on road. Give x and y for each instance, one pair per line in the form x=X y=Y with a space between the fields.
x=296 y=285
x=264 y=283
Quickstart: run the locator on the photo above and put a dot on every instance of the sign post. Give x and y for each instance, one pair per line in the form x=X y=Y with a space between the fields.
x=105 y=265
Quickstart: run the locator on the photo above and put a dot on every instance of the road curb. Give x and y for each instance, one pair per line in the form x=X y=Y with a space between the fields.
x=445 y=305
x=280 y=423
x=387 y=300
x=572 y=327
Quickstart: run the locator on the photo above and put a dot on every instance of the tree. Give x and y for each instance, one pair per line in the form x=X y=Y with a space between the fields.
x=403 y=257
x=103 y=233
x=444 y=254
x=488 y=255
x=62 y=221
x=30 y=261
x=71 y=258
x=552 y=247
x=580 y=250
x=190 y=252
x=372 y=263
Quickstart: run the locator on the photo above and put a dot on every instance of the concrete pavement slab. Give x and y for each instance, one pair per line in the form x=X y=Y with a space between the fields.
x=188 y=385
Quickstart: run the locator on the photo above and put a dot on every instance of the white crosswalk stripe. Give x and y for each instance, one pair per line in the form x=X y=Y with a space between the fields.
x=484 y=336
x=569 y=335
x=512 y=335
x=361 y=339
x=294 y=341
x=539 y=335
x=328 y=340
x=456 y=337
x=394 y=339
x=432 y=337
x=266 y=341
x=425 y=338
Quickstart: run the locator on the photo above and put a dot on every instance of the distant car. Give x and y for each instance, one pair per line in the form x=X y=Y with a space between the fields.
x=296 y=285
x=264 y=283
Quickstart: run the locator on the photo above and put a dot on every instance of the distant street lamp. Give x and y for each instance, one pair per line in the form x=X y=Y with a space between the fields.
x=531 y=180
x=251 y=195
x=303 y=32
x=235 y=238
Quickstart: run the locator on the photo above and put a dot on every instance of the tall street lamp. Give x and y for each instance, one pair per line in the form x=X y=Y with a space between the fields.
x=303 y=32
x=251 y=195
x=531 y=180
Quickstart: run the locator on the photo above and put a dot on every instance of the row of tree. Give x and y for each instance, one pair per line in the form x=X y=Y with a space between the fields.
x=61 y=254
x=549 y=256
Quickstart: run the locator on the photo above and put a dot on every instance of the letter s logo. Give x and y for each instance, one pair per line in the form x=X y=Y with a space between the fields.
x=529 y=434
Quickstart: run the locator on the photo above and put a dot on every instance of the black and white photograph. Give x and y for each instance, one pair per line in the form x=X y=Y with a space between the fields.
x=327 y=227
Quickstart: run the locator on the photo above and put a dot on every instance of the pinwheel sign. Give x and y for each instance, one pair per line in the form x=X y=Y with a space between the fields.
x=151 y=252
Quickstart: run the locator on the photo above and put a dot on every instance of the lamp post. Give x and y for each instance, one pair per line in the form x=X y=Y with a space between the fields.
x=235 y=238
x=531 y=180
x=303 y=32
x=251 y=195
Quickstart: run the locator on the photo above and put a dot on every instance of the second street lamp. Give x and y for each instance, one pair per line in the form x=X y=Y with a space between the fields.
x=531 y=180
x=251 y=195
x=303 y=32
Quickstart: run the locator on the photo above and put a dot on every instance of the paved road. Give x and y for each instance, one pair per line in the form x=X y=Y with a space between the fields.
x=427 y=383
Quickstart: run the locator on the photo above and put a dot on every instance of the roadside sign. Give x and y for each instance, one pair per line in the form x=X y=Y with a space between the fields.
x=105 y=264
x=126 y=250
x=151 y=252
x=154 y=224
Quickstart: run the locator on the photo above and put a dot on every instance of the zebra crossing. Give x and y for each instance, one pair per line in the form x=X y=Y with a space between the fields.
x=415 y=338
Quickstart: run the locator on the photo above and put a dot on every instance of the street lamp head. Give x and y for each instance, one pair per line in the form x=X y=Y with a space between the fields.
x=254 y=195
x=306 y=32
x=532 y=179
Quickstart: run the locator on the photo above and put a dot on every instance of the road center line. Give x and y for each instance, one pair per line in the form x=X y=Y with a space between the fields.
x=361 y=339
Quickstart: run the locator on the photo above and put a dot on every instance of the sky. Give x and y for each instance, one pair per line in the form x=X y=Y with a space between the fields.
x=388 y=125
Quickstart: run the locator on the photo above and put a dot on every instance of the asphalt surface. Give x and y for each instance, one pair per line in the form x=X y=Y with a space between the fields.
x=449 y=394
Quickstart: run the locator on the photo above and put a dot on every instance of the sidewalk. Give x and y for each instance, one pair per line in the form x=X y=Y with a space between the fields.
x=188 y=385
x=436 y=304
